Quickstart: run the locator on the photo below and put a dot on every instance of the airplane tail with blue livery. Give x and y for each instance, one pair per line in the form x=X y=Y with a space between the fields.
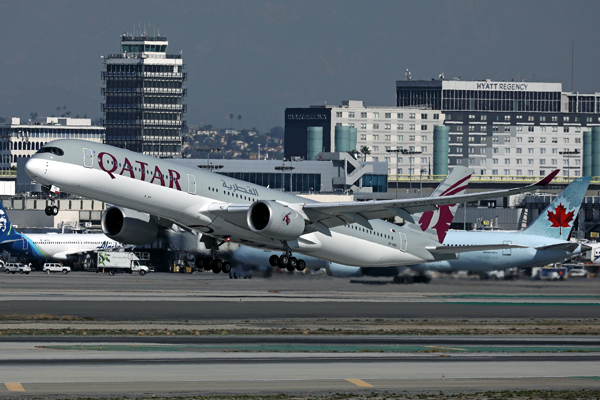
x=8 y=233
x=557 y=220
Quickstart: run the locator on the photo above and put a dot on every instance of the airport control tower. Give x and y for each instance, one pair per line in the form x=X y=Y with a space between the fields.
x=143 y=97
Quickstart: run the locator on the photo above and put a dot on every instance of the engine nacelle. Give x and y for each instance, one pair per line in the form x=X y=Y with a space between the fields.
x=129 y=226
x=274 y=220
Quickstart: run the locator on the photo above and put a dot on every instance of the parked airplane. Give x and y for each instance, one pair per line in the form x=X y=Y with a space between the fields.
x=55 y=246
x=227 y=209
x=544 y=242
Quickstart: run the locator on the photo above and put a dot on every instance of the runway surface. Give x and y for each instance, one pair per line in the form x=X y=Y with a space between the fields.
x=292 y=364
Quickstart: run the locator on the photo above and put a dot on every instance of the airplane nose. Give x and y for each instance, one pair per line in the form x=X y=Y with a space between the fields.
x=33 y=167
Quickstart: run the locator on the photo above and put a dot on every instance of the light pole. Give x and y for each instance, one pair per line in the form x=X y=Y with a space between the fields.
x=421 y=180
x=259 y=151
x=410 y=153
x=395 y=151
x=208 y=151
x=568 y=154
x=284 y=168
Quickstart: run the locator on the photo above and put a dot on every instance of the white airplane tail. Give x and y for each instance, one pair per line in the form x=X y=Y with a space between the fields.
x=435 y=224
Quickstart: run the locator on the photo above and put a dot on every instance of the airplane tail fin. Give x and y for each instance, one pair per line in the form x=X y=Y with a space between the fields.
x=557 y=220
x=7 y=232
x=435 y=224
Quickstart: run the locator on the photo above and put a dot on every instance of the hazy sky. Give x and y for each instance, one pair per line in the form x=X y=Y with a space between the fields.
x=255 y=58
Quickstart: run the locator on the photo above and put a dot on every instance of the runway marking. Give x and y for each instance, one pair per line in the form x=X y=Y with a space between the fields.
x=447 y=348
x=359 y=382
x=14 y=387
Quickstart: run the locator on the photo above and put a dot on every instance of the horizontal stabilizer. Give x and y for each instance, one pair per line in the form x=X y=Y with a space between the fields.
x=469 y=248
x=568 y=246
x=11 y=239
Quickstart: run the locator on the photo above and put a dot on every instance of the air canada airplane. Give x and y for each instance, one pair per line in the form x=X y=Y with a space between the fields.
x=46 y=246
x=543 y=242
x=227 y=209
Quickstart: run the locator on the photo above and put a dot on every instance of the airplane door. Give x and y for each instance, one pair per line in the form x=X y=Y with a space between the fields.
x=191 y=184
x=88 y=158
x=506 y=252
x=403 y=241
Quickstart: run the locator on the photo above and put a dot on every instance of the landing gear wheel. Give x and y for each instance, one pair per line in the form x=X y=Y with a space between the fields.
x=290 y=268
x=199 y=262
x=300 y=265
x=226 y=267
x=284 y=261
x=274 y=260
x=219 y=264
x=216 y=270
x=293 y=262
x=54 y=210
x=48 y=211
x=111 y=272
x=209 y=263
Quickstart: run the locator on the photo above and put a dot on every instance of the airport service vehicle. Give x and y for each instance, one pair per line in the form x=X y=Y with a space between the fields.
x=543 y=242
x=550 y=274
x=113 y=262
x=56 y=267
x=228 y=209
x=578 y=271
x=50 y=246
x=13 y=268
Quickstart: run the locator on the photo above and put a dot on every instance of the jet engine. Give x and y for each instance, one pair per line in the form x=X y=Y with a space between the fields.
x=129 y=226
x=275 y=220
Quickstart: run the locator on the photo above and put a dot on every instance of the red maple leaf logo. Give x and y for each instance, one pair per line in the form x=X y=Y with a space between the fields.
x=560 y=218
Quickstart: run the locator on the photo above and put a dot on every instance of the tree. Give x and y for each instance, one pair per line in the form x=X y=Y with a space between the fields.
x=365 y=151
x=240 y=120
x=231 y=120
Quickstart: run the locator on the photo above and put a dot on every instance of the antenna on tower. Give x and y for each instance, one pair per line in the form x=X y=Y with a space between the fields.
x=407 y=73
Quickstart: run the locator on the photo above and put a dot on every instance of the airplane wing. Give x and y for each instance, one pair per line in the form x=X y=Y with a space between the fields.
x=469 y=248
x=322 y=216
x=567 y=246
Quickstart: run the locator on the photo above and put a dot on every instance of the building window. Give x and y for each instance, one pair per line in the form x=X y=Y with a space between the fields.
x=388 y=127
x=351 y=114
x=338 y=114
x=507 y=128
x=471 y=139
x=554 y=140
x=577 y=140
x=543 y=129
x=495 y=150
x=494 y=161
x=375 y=115
x=387 y=159
x=423 y=127
x=363 y=126
x=506 y=139
x=530 y=161
x=483 y=128
x=507 y=117
x=542 y=150
x=494 y=139
x=530 y=128
x=376 y=159
x=400 y=115
x=555 y=129
x=566 y=140
x=411 y=138
x=530 y=172
x=471 y=128
x=388 y=115
x=507 y=161
x=484 y=117
x=436 y=116
x=375 y=137
x=530 y=118
x=399 y=138
x=542 y=140
x=554 y=118
x=530 y=150
x=351 y=125
x=519 y=150
x=519 y=172
x=363 y=115
x=423 y=138
x=507 y=150
x=412 y=116
x=554 y=151
x=412 y=127
x=363 y=137
x=565 y=119
x=388 y=138
x=530 y=139
x=554 y=161
x=507 y=172
x=543 y=118
x=494 y=172
x=423 y=149
x=423 y=116
x=375 y=148
x=519 y=161
x=519 y=139
x=400 y=126
x=566 y=129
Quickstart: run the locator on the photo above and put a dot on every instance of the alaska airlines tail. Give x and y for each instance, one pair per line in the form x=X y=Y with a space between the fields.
x=557 y=220
x=7 y=233
x=435 y=224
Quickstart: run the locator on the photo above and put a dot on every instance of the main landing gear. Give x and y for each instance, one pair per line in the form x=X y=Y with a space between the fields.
x=52 y=209
x=213 y=263
x=287 y=261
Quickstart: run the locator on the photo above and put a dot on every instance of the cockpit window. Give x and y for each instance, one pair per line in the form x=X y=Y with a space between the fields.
x=54 y=150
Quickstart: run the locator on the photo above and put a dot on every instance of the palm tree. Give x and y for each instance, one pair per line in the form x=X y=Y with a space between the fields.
x=240 y=120
x=365 y=151
x=231 y=119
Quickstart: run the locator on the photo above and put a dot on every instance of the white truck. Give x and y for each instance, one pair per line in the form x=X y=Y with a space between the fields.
x=113 y=262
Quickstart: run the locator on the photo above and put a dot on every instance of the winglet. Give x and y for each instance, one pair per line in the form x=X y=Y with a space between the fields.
x=548 y=178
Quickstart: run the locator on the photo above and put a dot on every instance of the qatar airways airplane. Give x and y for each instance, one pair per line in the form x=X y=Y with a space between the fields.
x=226 y=209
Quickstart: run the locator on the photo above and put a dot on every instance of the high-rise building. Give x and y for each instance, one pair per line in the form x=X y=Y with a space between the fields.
x=143 y=92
